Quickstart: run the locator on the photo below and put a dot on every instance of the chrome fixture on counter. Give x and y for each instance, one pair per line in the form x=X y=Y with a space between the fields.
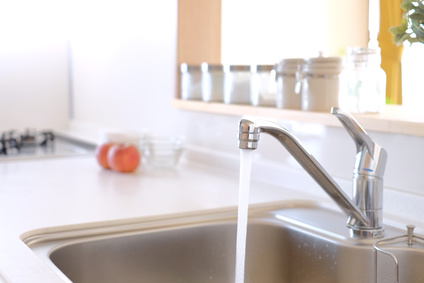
x=365 y=211
x=367 y=174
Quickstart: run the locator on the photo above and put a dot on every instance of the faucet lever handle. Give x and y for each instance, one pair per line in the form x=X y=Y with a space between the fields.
x=371 y=157
x=358 y=134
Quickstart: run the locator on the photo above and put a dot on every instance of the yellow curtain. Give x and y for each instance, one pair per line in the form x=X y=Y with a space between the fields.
x=390 y=15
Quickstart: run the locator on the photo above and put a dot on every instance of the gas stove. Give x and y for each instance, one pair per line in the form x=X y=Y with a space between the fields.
x=38 y=144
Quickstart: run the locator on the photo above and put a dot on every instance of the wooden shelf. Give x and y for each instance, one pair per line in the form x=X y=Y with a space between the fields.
x=395 y=119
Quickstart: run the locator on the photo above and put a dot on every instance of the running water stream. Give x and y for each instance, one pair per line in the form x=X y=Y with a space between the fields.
x=246 y=157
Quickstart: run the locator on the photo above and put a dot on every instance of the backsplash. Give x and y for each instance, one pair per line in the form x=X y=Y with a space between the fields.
x=404 y=187
x=331 y=146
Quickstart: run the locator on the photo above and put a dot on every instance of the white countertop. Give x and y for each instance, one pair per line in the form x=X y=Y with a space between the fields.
x=46 y=193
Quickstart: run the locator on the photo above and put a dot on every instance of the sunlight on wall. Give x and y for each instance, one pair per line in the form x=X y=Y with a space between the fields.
x=266 y=31
x=26 y=24
x=124 y=58
x=412 y=62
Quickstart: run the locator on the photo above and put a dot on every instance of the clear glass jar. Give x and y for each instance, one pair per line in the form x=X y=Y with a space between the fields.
x=321 y=83
x=191 y=82
x=288 y=83
x=363 y=82
x=212 y=83
x=262 y=85
x=237 y=84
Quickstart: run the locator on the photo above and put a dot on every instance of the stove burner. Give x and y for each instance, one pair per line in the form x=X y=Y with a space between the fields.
x=48 y=138
x=29 y=137
x=11 y=141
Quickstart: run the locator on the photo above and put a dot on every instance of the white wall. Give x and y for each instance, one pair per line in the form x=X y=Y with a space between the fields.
x=124 y=63
x=265 y=31
x=33 y=65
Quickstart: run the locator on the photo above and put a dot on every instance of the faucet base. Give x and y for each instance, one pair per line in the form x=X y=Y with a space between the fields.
x=364 y=233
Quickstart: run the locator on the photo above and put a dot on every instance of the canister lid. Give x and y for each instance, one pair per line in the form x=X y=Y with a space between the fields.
x=324 y=60
x=323 y=65
x=184 y=68
x=240 y=68
x=289 y=65
x=261 y=68
x=211 y=67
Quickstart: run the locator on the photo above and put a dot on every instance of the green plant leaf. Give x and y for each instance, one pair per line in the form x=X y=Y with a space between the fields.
x=407 y=5
x=419 y=10
x=404 y=22
x=419 y=32
x=417 y=16
x=410 y=22
x=398 y=29
x=401 y=38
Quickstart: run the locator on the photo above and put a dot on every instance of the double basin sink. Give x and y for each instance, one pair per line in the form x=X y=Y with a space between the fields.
x=286 y=242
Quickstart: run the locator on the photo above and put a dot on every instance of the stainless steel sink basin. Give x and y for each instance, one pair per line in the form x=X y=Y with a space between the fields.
x=300 y=242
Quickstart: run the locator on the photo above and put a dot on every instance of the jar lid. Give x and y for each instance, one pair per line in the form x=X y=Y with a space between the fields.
x=232 y=68
x=363 y=55
x=324 y=60
x=289 y=65
x=363 y=51
x=184 y=68
x=211 y=67
x=323 y=65
x=290 y=61
x=261 y=68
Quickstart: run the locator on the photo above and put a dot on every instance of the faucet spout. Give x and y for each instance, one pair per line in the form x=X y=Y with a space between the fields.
x=249 y=134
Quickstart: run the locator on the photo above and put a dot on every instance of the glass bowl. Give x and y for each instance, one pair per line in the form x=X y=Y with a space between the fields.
x=163 y=152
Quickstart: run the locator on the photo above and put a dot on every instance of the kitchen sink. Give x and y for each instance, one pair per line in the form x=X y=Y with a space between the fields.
x=286 y=242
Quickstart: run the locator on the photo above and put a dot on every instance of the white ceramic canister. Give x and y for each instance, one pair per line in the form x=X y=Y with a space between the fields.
x=212 y=83
x=288 y=83
x=237 y=84
x=262 y=85
x=191 y=82
x=321 y=83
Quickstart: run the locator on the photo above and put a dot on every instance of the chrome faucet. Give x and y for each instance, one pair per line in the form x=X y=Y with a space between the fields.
x=368 y=172
x=365 y=211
